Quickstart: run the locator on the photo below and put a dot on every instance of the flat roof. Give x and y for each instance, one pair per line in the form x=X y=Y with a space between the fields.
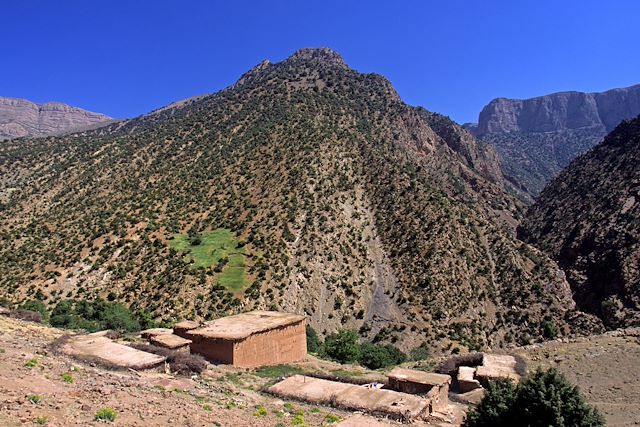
x=169 y=341
x=242 y=325
x=420 y=377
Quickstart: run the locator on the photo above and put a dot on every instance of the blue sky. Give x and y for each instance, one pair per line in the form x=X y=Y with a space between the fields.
x=125 y=58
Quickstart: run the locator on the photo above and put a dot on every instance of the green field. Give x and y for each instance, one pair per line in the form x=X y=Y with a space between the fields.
x=213 y=248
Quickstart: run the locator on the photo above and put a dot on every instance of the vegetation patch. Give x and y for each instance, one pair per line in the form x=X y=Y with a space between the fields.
x=219 y=250
x=106 y=414
x=278 y=371
x=545 y=398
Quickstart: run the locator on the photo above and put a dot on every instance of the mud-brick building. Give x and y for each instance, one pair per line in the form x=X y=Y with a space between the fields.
x=435 y=387
x=253 y=339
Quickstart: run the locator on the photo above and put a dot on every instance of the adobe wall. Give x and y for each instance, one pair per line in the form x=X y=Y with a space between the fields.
x=439 y=396
x=279 y=345
x=214 y=350
x=408 y=386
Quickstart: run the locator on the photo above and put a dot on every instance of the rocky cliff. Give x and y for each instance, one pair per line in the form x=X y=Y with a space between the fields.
x=540 y=136
x=22 y=118
x=588 y=219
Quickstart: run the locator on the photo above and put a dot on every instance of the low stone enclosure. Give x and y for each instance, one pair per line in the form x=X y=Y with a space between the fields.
x=408 y=395
x=435 y=387
x=476 y=370
x=97 y=347
x=351 y=396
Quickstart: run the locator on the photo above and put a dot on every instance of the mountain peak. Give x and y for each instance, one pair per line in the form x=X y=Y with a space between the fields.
x=320 y=54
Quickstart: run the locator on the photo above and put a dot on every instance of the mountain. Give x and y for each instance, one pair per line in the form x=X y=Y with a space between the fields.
x=538 y=137
x=588 y=219
x=21 y=118
x=306 y=186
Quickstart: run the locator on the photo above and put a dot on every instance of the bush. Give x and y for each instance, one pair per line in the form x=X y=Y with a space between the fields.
x=375 y=356
x=27 y=315
x=106 y=414
x=342 y=347
x=179 y=362
x=313 y=342
x=546 y=398
x=94 y=316
x=37 y=306
x=549 y=329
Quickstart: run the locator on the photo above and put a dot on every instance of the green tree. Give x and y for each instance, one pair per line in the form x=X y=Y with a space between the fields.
x=544 y=399
x=342 y=346
x=313 y=342
x=377 y=356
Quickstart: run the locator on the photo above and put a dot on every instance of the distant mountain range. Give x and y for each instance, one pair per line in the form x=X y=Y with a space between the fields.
x=21 y=118
x=588 y=219
x=538 y=137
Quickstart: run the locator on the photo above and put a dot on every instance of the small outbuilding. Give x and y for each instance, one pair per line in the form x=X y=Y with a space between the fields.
x=171 y=342
x=434 y=386
x=253 y=339
x=181 y=329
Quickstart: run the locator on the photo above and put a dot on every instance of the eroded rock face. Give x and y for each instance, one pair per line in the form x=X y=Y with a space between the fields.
x=539 y=137
x=559 y=111
x=588 y=219
x=22 y=118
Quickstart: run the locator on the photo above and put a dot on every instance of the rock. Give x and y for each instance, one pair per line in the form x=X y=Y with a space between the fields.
x=22 y=118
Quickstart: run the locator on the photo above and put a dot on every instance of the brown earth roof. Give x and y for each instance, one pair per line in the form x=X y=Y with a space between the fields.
x=243 y=325
x=420 y=377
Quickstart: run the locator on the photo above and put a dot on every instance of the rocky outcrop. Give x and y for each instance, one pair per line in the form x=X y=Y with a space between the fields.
x=538 y=137
x=560 y=111
x=22 y=118
x=588 y=219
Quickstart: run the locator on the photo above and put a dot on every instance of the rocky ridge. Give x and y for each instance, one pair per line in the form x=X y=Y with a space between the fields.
x=588 y=219
x=538 y=137
x=21 y=118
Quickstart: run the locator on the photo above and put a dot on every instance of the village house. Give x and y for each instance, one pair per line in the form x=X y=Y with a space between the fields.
x=253 y=339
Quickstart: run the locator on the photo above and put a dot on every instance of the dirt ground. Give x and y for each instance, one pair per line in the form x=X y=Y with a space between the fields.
x=28 y=368
x=37 y=381
x=606 y=368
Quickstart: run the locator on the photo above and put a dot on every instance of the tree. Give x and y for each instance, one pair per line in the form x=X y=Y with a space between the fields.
x=313 y=342
x=375 y=356
x=544 y=399
x=342 y=346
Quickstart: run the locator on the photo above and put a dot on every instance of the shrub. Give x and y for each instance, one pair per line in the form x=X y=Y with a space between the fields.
x=549 y=329
x=42 y=420
x=313 y=342
x=32 y=363
x=342 y=346
x=261 y=411
x=421 y=352
x=94 y=316
x=34 y=398
x=37 y=306
x=179 y=362
x=376 y=356
x=106 y=414
x=67 y=377
x=546 y=398
x=27 y=315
